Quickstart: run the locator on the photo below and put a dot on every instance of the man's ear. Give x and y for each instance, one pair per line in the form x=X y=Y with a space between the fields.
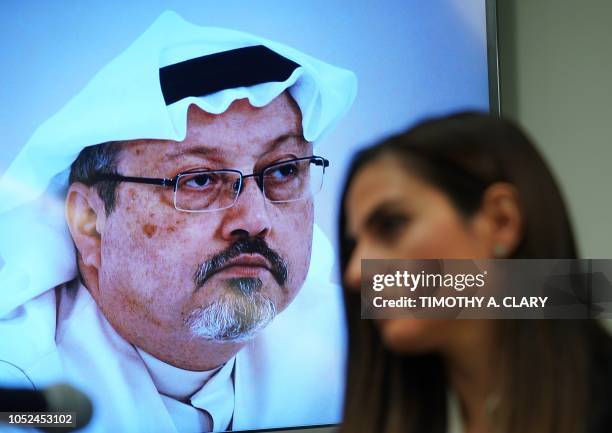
x=499 y=221
x=85 y=215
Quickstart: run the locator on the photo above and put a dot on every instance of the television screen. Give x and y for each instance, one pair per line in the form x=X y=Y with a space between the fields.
x=169 y=187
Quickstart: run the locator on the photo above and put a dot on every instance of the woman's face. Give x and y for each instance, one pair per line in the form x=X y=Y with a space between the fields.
x=392 y=213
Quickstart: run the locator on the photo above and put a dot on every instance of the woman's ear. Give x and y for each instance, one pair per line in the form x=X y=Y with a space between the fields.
x=499 y=221
x=85 y=215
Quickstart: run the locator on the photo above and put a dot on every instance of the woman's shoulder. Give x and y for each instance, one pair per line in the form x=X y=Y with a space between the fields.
x=600 y=406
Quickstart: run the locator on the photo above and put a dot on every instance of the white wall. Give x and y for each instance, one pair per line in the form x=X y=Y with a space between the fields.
x=556 y=78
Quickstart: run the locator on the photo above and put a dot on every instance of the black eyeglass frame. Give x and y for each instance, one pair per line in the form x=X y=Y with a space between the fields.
x=174 y=181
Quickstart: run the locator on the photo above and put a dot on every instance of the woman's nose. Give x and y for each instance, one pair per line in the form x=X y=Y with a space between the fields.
x=352 y=272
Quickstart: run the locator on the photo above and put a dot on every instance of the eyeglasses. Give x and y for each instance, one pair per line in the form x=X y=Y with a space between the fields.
x=211 y=190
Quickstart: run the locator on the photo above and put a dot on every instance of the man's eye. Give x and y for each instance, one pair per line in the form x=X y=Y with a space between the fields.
x=283 y=172
x=199 y=181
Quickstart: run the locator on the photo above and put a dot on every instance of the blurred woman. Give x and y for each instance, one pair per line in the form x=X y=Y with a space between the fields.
x=465 y=186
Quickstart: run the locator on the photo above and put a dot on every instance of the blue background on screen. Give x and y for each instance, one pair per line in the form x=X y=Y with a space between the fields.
x=413 y=59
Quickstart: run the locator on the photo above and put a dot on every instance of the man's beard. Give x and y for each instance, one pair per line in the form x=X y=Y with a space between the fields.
x=242 y=310
x=236 y=316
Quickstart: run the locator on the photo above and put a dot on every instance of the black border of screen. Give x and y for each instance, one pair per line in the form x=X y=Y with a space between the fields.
x=493 y=56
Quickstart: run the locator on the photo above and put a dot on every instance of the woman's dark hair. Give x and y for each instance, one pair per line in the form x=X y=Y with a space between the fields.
x=543 y=379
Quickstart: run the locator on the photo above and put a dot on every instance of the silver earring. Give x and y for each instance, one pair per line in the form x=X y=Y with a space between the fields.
x=500 y=251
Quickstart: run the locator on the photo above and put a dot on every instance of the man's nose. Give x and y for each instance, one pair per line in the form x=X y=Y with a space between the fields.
x=249 y=216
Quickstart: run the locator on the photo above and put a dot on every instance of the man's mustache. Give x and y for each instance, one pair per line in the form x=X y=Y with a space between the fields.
x=278 y=266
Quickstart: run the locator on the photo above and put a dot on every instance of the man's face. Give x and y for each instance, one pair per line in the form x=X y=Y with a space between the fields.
x=167 y=275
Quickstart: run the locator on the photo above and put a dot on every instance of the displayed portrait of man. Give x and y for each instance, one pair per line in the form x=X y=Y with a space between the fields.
x=159 y=245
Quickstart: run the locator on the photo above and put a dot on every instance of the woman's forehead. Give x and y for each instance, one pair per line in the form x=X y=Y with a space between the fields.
x=384 y=182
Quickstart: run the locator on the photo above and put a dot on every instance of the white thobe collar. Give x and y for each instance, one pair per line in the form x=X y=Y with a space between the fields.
x=80 y=320
x=212 y=391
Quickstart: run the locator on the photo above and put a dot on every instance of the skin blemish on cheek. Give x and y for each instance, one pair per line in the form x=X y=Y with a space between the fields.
x=167 y=199
x=138 y=307
x=132 y=193
x=149 y=229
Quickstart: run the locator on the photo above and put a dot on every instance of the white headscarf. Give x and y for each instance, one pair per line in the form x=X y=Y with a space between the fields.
x=124 y=101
